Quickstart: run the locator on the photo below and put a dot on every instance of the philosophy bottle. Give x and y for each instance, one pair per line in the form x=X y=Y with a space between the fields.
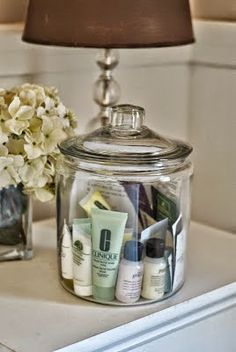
x=130 y=274
x=154 y=269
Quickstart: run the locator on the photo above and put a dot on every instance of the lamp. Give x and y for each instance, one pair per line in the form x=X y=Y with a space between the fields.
x=108 y=24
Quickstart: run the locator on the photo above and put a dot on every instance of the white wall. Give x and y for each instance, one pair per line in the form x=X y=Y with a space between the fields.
x=212 y=125
x=188 y=93
x=213 y=134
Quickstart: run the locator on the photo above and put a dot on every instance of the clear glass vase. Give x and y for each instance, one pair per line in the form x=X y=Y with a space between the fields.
x=15 y=224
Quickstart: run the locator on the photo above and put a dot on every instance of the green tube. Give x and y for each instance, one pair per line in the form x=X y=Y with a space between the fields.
x=107 y=235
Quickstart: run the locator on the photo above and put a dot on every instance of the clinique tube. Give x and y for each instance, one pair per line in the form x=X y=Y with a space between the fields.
x=82 y=257
x=107 y=236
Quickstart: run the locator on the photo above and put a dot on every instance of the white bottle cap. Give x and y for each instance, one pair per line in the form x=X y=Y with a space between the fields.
x=82 y=290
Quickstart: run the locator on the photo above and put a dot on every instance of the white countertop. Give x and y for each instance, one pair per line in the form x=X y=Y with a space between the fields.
x=38 y=315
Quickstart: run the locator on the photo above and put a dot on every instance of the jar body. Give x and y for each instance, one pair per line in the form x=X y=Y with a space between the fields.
x=132 y=206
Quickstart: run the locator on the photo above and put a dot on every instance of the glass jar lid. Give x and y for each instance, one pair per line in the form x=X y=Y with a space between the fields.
x=126 y=141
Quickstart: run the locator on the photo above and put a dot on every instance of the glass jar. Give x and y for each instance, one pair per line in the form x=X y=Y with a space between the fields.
x=15 y=224
x=123 y=208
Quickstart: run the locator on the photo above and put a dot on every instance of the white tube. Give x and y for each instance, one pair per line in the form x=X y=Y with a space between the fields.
x=82 y=254
x=66 y=254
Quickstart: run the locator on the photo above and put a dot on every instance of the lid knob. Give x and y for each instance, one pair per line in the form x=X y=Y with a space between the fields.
x=127 y=118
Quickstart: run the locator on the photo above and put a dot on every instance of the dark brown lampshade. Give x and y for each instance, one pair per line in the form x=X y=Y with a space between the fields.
x=109 y=23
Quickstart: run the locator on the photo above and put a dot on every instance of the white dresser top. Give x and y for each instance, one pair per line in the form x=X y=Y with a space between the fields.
x=38 y=315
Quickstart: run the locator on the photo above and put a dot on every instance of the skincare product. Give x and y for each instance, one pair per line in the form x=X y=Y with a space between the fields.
x=82 y=257
x=66 y=253
x=115 y=195
x=138 y=196
x=154 y=269
x=157 y=230
x=164 y=206
x=169 y=268
x=179 y=259
x=107 y=236
x=129 y=281
x=93 y=199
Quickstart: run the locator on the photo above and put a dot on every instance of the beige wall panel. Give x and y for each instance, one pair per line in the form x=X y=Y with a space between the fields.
x=214 y=9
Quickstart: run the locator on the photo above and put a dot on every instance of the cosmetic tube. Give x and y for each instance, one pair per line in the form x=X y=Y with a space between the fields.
x=129 y=280
x=157 y=230
x=107 y=236
x=66 y=253
x=94 y=199
x=82 y=257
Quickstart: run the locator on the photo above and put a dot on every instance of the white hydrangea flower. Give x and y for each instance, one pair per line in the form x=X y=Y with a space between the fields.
x=33 y=121
x=28 y=97
x=35 y=124
x=61 y=110
x=3 y=150
x=5 y=177
x=53 y=134
x=32 y=173
x=20 y=116
x=34 y=141
x=14 y=106
x=3 y=136
x=9 y=167
x=16 y=127
x=4 y=115
x=16 y=146
x=40 y=111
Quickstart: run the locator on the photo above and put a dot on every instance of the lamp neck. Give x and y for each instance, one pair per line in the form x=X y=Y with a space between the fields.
x=106 y=90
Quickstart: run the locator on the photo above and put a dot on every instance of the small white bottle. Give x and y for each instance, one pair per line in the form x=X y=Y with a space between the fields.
x=154 y=269
x=129 y=281
x=66 y=254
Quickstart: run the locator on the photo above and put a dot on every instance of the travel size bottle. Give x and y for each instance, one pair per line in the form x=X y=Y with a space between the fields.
x=154 y=269
x=66 y=256
x=129 y=281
